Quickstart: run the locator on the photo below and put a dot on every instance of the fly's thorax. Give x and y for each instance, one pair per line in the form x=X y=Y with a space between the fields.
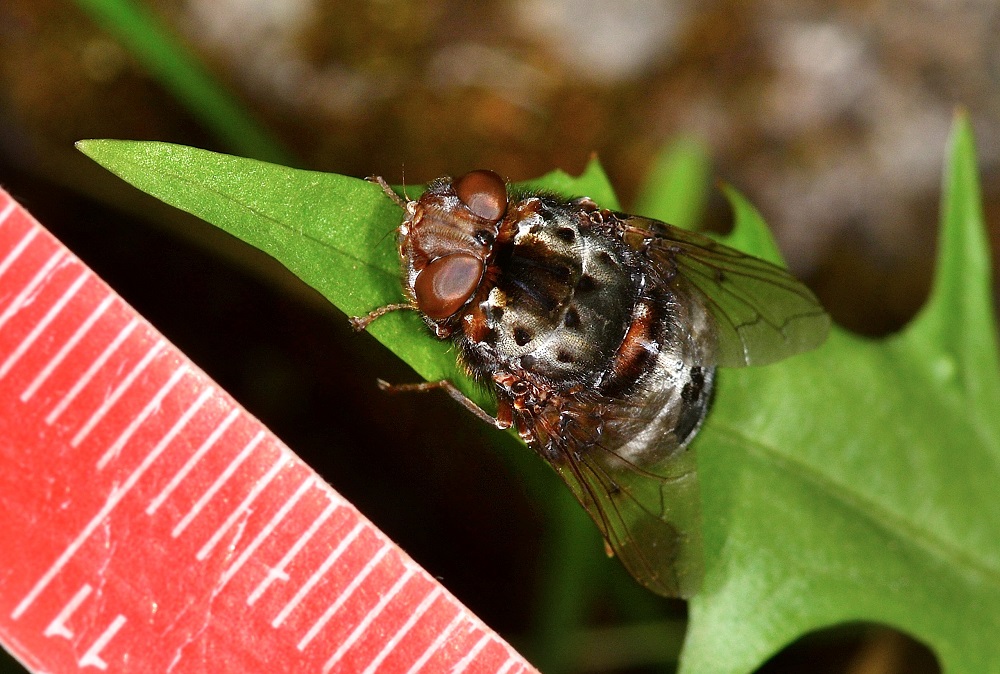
x=562 y=293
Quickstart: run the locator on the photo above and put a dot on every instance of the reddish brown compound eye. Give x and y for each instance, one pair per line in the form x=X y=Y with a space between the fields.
x=443 y=286
x=484 y=192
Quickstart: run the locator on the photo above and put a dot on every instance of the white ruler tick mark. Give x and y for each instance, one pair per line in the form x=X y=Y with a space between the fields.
x=92 y=658
x=217 y=485
x=58 y=628
x=66 y=348
x=117 y=393
x=5 y=213
x=150 y=407
x=53 y=311
x=259 y=486
x=36 y=281
x=437 y=644
x=268 y=529
x=114 y=498
x=278 y=572
x=17 y=250
x=192 y=461
x=507 y=666
x=462 y=664
x=344 y=596
x=418 y=613
x=368 y=619
x=317 y=574
x=91 y=371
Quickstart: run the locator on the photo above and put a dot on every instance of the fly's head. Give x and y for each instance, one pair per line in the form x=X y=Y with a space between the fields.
x=446 y=243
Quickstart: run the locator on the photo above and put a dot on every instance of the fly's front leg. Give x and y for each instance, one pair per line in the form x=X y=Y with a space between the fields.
x=360 y=323
x=502 y=420
x=380 y=181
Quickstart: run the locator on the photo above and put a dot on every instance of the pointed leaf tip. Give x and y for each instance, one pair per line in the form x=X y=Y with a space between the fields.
x=958 y=317
x=750 y=233
x=592 y=182
x=676 y=189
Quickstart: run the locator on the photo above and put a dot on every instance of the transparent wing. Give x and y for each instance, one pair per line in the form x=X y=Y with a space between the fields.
x=648 y=514
x=762 y=313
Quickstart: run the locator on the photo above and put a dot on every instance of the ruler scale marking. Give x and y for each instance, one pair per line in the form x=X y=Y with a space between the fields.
x=260 y=485
x=136 y=422
x=39 y=278
x=74 y=339
x=507 y=666
x=374 y=613
x=58 y=625
x=345 y=595
x=15 y=253
x=223 y=477
x=193 y=460
x=118 y=392
x=278 y=572
x=5 y=213
x=462 y=664
x=318 y=574
x=92 y=658
x=49 y=316
x=183 y=420
x=436 y=645
x=403 y=630
x=95 y=366
x=267 y=530
x=114 y=498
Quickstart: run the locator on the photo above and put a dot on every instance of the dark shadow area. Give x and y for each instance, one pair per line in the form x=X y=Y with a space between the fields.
x=857 y=648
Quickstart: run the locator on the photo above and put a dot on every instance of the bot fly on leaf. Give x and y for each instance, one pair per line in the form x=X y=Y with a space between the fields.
x=599 y=333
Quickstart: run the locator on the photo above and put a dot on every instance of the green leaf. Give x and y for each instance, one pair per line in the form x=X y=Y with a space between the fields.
x=855 y=482
x=859 y=481
x=675 y=190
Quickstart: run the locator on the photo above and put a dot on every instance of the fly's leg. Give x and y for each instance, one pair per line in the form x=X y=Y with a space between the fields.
x=360 y=323
x=502 y=420
x=380 y=181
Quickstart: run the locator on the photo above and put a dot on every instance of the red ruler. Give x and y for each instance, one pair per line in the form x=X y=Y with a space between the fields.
x=153 y=525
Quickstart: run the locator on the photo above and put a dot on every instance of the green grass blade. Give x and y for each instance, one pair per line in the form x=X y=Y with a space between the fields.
x=173 y=65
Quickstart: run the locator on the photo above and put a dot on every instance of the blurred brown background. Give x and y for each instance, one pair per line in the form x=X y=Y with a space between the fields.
x=831 y=117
